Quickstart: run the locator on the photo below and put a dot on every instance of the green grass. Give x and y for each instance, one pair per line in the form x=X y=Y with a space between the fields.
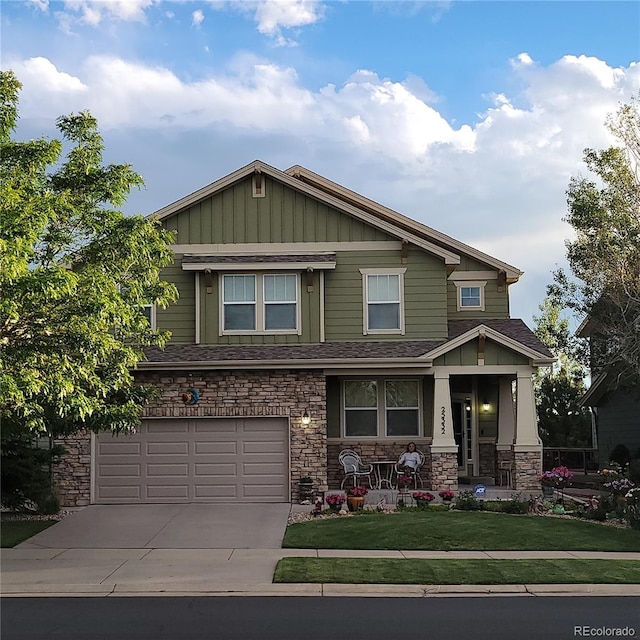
x=422 y=571
x=459 y=531
x=13 y=532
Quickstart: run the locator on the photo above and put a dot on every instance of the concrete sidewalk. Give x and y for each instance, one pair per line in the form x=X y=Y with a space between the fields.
x=119 y=572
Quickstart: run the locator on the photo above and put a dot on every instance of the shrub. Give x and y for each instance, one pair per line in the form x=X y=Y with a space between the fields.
x=25 y=477
x=466 y=501
x=620 y=454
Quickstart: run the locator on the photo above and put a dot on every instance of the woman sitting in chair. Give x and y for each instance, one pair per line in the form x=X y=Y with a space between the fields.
x=410 y=459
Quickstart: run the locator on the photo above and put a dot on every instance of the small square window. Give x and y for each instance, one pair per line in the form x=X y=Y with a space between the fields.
x=470 y=296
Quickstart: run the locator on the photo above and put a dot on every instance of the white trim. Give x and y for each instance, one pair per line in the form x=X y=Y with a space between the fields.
x=322 y=327
x=286 y=248
x=473 y=284
x=197 y=305
x=365 y=300
x=92 y=470
x=538 y=358
x=473 y=275
x=513 y=274
x=260 y=308
x=257 y=176
x=258 y=266
x=374 y=220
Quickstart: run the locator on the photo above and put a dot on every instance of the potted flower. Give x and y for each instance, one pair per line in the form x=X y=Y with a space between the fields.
x=422 y=498
x=404 y=481
x=335 y=501
x=355 y=497
x=447 y=495
x=557 y=478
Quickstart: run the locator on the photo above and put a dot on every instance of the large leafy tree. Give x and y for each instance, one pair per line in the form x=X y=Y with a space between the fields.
x=562 y=421
x=605 y=255
x=75 y=278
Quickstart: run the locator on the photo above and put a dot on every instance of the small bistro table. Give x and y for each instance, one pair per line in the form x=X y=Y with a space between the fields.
x=383 y=472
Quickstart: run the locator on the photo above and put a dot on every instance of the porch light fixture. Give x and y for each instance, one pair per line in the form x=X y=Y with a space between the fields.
x=306 y=418
x=485 y=405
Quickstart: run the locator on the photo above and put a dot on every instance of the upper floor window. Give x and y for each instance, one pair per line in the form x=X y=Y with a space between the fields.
x=264 y=304
x=383 y=301
x=470 y=295
x=149 y=311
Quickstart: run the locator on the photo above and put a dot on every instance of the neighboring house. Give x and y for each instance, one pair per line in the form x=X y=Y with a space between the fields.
x=312 y=319
x=616 y=412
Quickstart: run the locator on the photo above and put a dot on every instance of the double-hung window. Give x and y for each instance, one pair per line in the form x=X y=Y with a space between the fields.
x=381 y=407
x=266 y=303
x=383 y=301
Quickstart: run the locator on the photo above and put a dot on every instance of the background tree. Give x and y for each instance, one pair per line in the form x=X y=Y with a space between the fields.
x=75 y=278
x=605 y=255
x=562 y=422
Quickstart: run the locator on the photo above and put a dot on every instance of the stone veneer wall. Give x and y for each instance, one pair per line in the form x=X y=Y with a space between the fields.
x=487 y=454
x=372 y=450
x=527 y=467
x=444 y=471
x=253 y=394
x=223 y=394
x=72 y=475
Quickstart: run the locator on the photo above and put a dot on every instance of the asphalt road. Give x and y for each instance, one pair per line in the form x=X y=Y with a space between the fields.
x=313 y=618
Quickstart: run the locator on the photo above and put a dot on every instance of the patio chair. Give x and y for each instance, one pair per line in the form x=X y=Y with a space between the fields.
x=417 y=480
x=353 y=466
x=505 y=471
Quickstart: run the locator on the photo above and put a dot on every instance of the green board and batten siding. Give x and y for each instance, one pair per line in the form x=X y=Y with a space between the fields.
x=494 y=354
x=283 y=215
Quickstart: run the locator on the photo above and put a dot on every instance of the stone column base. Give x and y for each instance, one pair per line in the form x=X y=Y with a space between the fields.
x=444 y=471
x=527 y=467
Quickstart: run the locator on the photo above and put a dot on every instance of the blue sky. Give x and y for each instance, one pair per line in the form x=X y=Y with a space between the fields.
x=468 y=116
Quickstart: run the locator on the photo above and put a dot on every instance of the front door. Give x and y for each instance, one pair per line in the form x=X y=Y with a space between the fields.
x=463 y=432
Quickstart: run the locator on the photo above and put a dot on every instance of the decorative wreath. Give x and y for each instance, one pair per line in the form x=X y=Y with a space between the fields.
x=191 y=396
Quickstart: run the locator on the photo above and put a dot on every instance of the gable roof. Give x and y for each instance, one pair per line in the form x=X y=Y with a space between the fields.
x=594 y=394
x=309 y=177
x=363 y=209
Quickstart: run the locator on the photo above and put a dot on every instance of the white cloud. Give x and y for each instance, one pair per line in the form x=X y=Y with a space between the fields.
x=272 y=16
x=498 y=183
x=197 y=17
x=42 y=5
x=93 y=12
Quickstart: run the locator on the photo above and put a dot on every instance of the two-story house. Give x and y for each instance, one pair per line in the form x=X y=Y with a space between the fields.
x=312 y=319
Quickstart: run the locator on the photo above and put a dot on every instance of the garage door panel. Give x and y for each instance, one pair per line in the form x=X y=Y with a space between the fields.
x=167 y=448
x=120 y=470
x=181 y=470
x=216 y=447
x=201 y=460
x=229 y=470
x=167 y=427
x=168 y=491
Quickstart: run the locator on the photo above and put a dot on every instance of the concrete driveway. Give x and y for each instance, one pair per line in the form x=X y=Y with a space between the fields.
x=168 y=526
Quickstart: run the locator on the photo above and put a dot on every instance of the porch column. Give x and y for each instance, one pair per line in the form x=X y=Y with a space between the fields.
x=526 y=415
x=506 y=417
x=527 y=448
x=444 y=450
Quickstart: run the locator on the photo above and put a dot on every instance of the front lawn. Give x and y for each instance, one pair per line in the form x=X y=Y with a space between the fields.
x=459 y=531
x=421 y=571
x=13 y=532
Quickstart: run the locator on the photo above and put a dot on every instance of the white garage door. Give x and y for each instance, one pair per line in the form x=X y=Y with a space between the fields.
x=198 y=460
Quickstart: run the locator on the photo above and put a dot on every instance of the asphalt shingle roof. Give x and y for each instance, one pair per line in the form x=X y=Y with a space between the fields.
x=382 y=349
x=251 y=259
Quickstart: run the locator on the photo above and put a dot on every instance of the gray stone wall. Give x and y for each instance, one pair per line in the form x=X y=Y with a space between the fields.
x=527 y=469
x=72 y=475
x=444 y=471
x=256 y=393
